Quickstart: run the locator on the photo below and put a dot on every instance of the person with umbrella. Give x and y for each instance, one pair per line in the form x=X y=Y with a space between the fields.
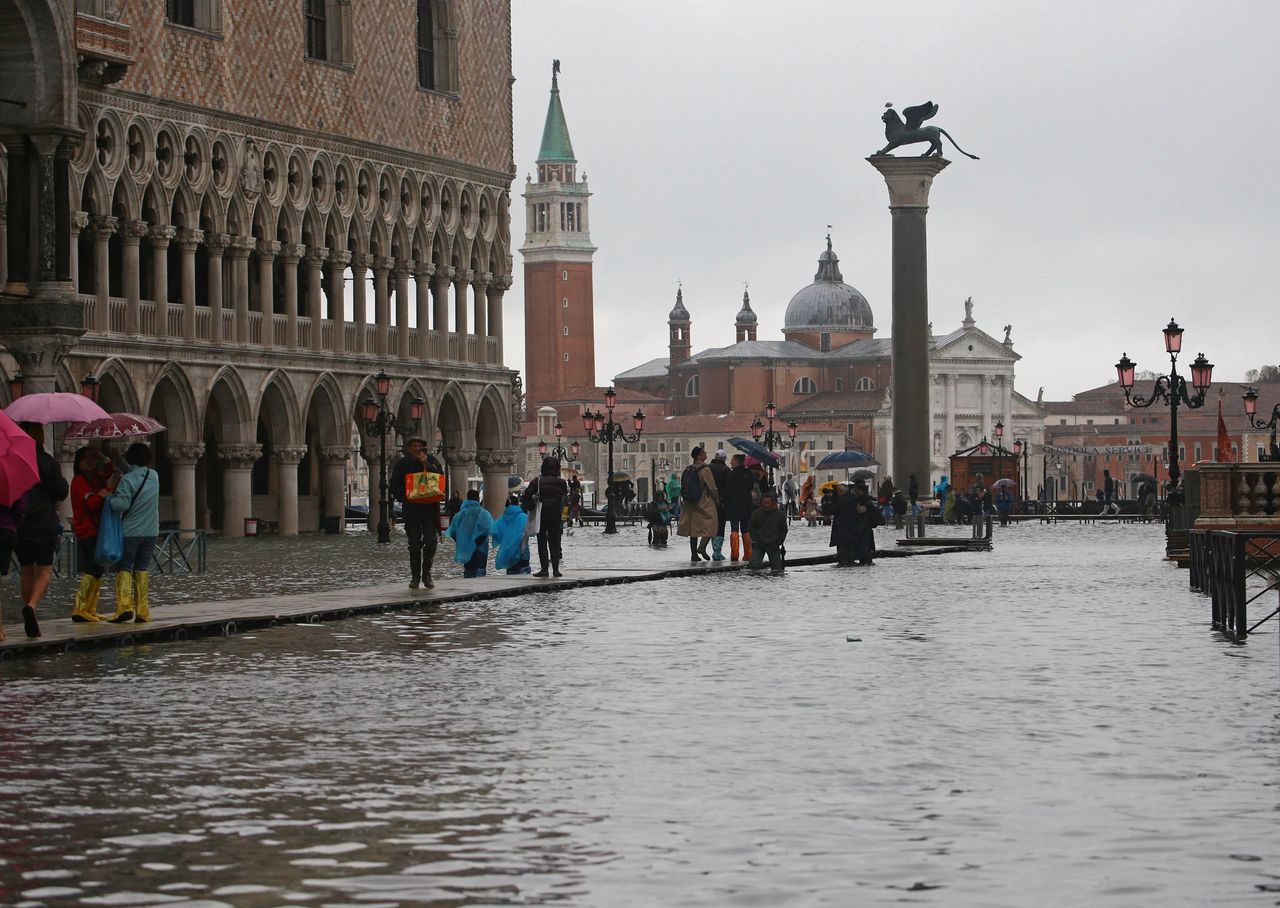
x=698 y=515
x=39 y=530
x=738 y=505
x=1004 y=502
x=95 y=479
x=19 y=471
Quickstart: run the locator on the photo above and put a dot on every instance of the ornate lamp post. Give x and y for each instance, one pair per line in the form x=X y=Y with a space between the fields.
x=379 y=421
x=771 y=439
x=601 y=429
x=1171 y=388
x=1251 y=411
x=558 y=451
x=1023 y=449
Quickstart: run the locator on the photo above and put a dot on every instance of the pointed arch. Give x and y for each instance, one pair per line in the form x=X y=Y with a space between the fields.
x=278 y=409
x=173 y=402
x=155 y=203
x=492 y=431
x=117 y=392
x=238 y=220
x=312 y=227
x=94 y=197
x=379 y=242
x=263 y=223
x=453 y=417
x=335 y=234
x=228 y=407
x=184 y=210
x=212 y=214
x=287 y=226
x=124 y=199
x=327 y=409
x=412 y=390
x=400 y=247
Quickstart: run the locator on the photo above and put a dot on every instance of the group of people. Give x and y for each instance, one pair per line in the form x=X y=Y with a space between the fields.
x=716 y=495
x=31 y=530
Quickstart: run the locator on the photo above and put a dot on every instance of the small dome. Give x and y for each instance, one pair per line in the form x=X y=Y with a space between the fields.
x=679 y=313
x=828 y=304
x=745 y=315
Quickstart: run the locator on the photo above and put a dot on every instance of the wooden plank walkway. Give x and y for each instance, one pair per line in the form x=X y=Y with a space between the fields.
x=195 y=619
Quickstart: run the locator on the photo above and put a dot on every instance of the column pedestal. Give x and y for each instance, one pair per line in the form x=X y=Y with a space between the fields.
x=334 y=484
x=237 y=485
x=495 y=467
x=287 y=460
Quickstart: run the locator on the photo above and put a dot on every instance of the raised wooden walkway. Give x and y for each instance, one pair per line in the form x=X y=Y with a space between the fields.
x=180 y=622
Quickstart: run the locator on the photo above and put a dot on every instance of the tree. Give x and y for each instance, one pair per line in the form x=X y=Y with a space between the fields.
x=1266 y=373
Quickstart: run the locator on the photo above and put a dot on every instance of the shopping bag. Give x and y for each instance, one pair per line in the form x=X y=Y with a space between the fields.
x=424 y=488
x=110 y=547
x=534 y=523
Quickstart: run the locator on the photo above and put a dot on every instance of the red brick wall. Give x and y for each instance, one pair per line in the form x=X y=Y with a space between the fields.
x=547 y=375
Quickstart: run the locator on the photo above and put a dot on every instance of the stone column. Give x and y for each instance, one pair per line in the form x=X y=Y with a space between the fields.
x=461 y=462
x=908 y=181
x=316 y=257
x=422 y=285
x=287 y=460
x=131 y=234
x=403 y=269
x=496 y=290
x=290 y=255
x=241 y=246
x=188 y=240
x=103 y=228
x=67 y=465
x=79 y=221
x=215 y=244
x=949 y=401
x=267 y=252
x=480 y=288
x=183 y=457
x=440 y=301
x=237 y=485
x=461 y=279
x=495 y=467
x=338 y=261
x=333 y=459
x=1006 y=402
x=360 y=262
x=371 y=462
x=160 y=236
x=382 y=305
x=984 y=393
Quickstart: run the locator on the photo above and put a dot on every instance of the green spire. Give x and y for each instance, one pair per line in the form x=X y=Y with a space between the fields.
x=555 y=134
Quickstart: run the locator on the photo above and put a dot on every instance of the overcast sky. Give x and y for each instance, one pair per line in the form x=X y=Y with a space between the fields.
x=1128 y=168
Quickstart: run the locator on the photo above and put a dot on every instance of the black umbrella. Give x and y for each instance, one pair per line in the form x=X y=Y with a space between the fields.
x=864 y=475
x=1141 y=478
x=845 y=460
x=756 y=450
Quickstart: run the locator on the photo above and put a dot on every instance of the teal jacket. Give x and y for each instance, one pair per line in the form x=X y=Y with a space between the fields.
x=139 y=494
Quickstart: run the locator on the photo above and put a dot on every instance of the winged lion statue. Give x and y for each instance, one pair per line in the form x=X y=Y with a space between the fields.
x=910 y=132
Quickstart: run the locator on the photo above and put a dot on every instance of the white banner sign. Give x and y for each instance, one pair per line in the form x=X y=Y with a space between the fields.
x=1095 y=450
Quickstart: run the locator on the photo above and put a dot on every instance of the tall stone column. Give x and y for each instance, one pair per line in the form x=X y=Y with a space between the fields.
x=267 y=252
x=495 y=467
x=159 y=237
x=79 y=221
x=403 y=269
x=131 y=234
x=460 y=462
x=496 y=291
x=480 y=288
x=333 y=483
x=66 y=454
x=908 y=181
x=949 y=401
x=287 y=460
x=360 y=262
x=183 y=457
x=382 y=266
x=422 y=287
x=290 y=255
x=440 y=306
x=237 y=485
x=984 y=393
x=316 y=257
x=372 y=463
x=103 y=229
x=461 y=281
x=241 y=246
x=188 y=241
x=338 y=261
x=215 y=244
x=1006 y=402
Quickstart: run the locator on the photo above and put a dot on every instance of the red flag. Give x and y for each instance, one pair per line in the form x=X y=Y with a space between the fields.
x=1224 y=440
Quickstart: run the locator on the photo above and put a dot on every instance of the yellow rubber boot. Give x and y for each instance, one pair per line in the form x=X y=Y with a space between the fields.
x=95 y=593
x=141 y=597
x=85 y=609
x=124 y=598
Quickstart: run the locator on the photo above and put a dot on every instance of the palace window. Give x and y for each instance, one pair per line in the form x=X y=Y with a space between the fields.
x=566 y=357
x=805 y=385
x=202 y=14
x=839 y=384
x=181 y=12
x=316 y=19
x=691 y=387
x=564 y=303
x=327 y=30
x=426 y=46
x=566 y=330
x=865 y=384
x=1197 y=460
x=564 y=275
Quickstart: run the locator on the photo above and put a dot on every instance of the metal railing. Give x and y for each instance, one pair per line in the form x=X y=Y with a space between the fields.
x=176 y=552
x=1223 y=564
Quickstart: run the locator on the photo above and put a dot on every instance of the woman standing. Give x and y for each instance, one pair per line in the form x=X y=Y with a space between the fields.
x=137 y=498
x=552 y=491
x=89 y=491
x=698 y=517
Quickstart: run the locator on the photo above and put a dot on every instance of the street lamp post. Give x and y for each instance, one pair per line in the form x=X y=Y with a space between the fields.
x=379 y=421
x=559 y=451
x=1251 y=411
x=1023 y=449
x=771 y=439
x=601 y=429
x=1171 y=388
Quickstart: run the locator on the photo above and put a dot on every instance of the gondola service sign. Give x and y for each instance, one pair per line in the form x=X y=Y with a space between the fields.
x=1095 y=450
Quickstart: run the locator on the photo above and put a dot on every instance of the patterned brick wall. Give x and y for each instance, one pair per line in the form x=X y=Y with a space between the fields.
x=257 y=68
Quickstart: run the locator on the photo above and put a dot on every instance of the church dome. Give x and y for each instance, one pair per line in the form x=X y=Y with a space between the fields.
x=745 y=315
x=828 y=304
x=679 y=313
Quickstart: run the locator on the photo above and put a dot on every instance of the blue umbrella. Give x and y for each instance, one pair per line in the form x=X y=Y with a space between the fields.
x=846 y=460
x=513 y=481
x=756 y=450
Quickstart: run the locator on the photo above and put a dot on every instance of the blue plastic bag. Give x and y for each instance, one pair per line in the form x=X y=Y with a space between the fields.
x=110 y=537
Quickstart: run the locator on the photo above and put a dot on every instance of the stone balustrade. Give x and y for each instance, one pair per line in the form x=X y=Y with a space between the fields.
x=1240 y=495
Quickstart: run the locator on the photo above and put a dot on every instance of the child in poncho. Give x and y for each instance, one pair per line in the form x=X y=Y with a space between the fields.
x=470 y=531
x=513 y=544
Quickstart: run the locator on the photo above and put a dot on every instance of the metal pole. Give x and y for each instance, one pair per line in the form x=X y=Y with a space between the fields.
x=384 y=527
x=610 y=519
x=1174 y=392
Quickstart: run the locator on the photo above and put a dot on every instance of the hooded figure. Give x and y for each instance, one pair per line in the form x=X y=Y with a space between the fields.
x=470 y=532
x=513 y=545
x=552 y=492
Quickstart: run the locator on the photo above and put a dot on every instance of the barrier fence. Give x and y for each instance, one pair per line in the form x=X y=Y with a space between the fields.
x=1225 y=565
x=176 y=552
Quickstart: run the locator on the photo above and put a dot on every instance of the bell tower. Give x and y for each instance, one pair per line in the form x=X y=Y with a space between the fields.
x=559 y=318
x=678 y=322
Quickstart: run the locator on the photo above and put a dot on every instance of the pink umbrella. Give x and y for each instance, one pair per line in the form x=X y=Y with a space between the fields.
x=54 y=406
x=18 y=470
x=116 y=425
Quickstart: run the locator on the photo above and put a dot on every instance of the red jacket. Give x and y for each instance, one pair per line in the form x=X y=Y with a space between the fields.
x=86 y=505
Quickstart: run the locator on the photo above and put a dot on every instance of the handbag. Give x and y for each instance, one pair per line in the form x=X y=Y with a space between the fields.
x=534 y=523
x=424 y=487
x=110 y=547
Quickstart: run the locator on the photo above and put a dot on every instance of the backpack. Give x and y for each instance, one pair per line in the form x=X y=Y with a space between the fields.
x=690 y=484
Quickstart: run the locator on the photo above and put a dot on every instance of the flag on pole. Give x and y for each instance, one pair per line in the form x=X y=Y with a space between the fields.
x=1224 y=440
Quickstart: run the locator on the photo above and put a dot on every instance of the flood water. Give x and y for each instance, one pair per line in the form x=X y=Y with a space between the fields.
x=1052 y=723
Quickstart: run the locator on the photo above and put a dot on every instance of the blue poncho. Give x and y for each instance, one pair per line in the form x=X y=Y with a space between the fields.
x=508 y=534
x=469 y=527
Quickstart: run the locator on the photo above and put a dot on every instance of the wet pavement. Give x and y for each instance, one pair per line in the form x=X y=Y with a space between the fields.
x=1049 y=723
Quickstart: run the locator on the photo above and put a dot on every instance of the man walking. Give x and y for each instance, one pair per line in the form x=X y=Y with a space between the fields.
x=421 y=519
x=1110 y=506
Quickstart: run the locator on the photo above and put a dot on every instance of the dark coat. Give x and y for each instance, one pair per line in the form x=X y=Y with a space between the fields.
x=768 y=528
x=720 y=472
x=38 y=505
x=737 y=494
x=851 y=528
x=415 y=511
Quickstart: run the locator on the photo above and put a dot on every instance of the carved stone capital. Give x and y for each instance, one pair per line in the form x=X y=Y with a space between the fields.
x=189 y=239
x=239 y=456
x=104 y=227
x=502 y=283
x=317 y=256
x=79 y=221
x=185 y=453
x=134 y=231
x=445 y=275
x=460 y=457
x=339 y=259
x=292 y=253
x=463 y=277
x=383 y=263
x=482 y=281
x=332 y=454
x=495 y=461
x=216 y=243
x=161 y=235
x=404 y=267
x=360 y=261
x=289 y=455
x=241 y=246
x=40 y=353
x=424 y=272
x=268 y=249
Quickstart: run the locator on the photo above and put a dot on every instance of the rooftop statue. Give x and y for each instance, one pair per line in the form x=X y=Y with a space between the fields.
x=911 y=132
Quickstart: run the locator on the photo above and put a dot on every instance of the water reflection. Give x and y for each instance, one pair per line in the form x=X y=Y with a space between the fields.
x=1012 y=729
